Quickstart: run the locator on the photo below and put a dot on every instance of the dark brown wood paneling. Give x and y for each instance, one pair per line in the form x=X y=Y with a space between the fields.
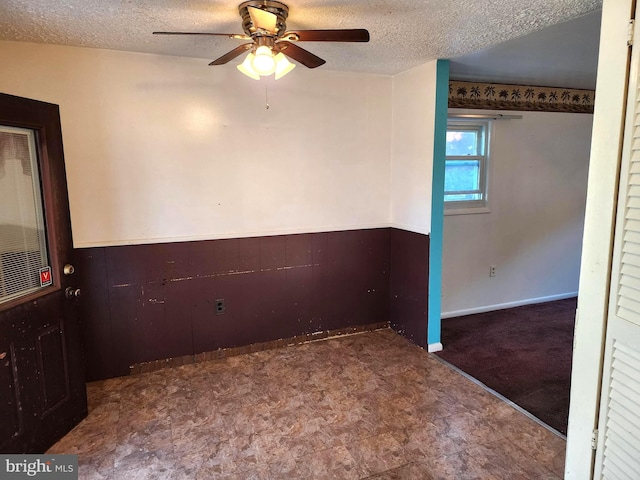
x=124 y=330
x=299 y=249
x=409 y=285
x=339 y=303
x=162 y=298
x=375 y=276
x=357 y=276
x=121 y=266
x=204 y=293
x=204 y=258
x=95 y=315
x=237 y=325
x=271 y=311
x=152 y=337
x=320 y=280
x=303 y=304
x=177 y=321
x=273 y=252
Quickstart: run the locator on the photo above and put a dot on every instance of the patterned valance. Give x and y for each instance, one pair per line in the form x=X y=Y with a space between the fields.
x=497 y=96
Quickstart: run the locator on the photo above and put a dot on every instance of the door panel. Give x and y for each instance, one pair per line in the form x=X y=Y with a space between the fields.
x=12 y=421
x=42 y=390
x=618 y=441
x=618 y=454
x=52 y=363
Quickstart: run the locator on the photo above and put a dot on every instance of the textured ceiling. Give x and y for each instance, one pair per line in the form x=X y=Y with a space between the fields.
x=404 y=33
x=563 y=55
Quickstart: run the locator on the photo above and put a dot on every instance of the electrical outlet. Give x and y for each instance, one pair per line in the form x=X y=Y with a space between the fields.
x=492 y=270
x=220 y=306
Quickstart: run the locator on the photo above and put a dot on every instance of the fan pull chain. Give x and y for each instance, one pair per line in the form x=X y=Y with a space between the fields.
x=266 y=97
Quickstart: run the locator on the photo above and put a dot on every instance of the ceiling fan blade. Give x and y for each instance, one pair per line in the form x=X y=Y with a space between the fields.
x=301 y=55
x=229 y=35
x=350 y=35
x=263 y=19
x=227 y=57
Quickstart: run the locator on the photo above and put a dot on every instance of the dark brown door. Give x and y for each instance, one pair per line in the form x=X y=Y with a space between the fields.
x=42 y=389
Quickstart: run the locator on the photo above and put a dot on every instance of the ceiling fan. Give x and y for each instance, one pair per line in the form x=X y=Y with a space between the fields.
x=264 y=23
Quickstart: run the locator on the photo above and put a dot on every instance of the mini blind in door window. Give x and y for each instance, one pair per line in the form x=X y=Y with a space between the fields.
x=23 y=247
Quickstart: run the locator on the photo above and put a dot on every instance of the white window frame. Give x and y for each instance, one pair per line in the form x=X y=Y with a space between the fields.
x=484 y=128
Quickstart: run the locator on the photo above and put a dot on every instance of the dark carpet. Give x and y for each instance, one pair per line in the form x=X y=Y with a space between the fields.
x=523 y=353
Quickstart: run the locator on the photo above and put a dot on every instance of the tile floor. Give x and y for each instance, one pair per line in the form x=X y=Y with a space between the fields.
x=370 y=405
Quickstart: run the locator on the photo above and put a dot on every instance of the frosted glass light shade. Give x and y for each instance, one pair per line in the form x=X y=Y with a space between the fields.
x=283 y=66
x=247 y=68
x=280 y=64
x=263 y=62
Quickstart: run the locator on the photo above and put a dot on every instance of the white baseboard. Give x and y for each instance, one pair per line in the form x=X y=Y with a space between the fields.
x=502 y=306
x=434 y=347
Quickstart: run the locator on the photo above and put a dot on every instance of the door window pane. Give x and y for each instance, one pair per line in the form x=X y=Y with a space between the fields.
x=23 y=247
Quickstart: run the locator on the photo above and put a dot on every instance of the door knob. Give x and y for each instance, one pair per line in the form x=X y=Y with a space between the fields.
x=71 y=292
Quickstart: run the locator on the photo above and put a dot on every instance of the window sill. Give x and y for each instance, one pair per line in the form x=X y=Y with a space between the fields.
x=465 y=210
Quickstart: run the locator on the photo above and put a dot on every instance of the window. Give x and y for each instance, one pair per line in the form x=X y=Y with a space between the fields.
x=23 y=248
x=466 y=164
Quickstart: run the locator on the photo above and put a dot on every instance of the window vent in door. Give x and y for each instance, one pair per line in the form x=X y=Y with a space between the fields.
x=23 y=248
x=621 y=456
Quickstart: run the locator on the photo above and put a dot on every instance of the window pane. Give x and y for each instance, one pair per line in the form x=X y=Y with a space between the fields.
x=462 y=142
x=461 y=175
x=23 y=250
x=463 y=197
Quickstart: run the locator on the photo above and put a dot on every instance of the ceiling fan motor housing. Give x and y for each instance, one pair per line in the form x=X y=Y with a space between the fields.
x=279 y=9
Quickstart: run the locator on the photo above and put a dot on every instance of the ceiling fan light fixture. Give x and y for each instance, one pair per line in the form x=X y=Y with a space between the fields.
x=264 y=24
x=283 y=66
x=263 y=62
x=246 y=67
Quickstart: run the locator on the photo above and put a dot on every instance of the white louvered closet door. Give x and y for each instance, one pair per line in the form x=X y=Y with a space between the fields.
x=618 y=445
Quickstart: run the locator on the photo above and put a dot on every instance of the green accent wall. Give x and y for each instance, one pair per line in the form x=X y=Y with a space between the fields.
x=437 y=202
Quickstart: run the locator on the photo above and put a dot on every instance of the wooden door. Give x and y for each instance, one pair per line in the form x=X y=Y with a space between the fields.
x=42 y=389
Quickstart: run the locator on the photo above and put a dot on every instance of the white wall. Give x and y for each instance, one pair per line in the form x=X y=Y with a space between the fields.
x=533 y=232
x=162 y=148
x=414 y=105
